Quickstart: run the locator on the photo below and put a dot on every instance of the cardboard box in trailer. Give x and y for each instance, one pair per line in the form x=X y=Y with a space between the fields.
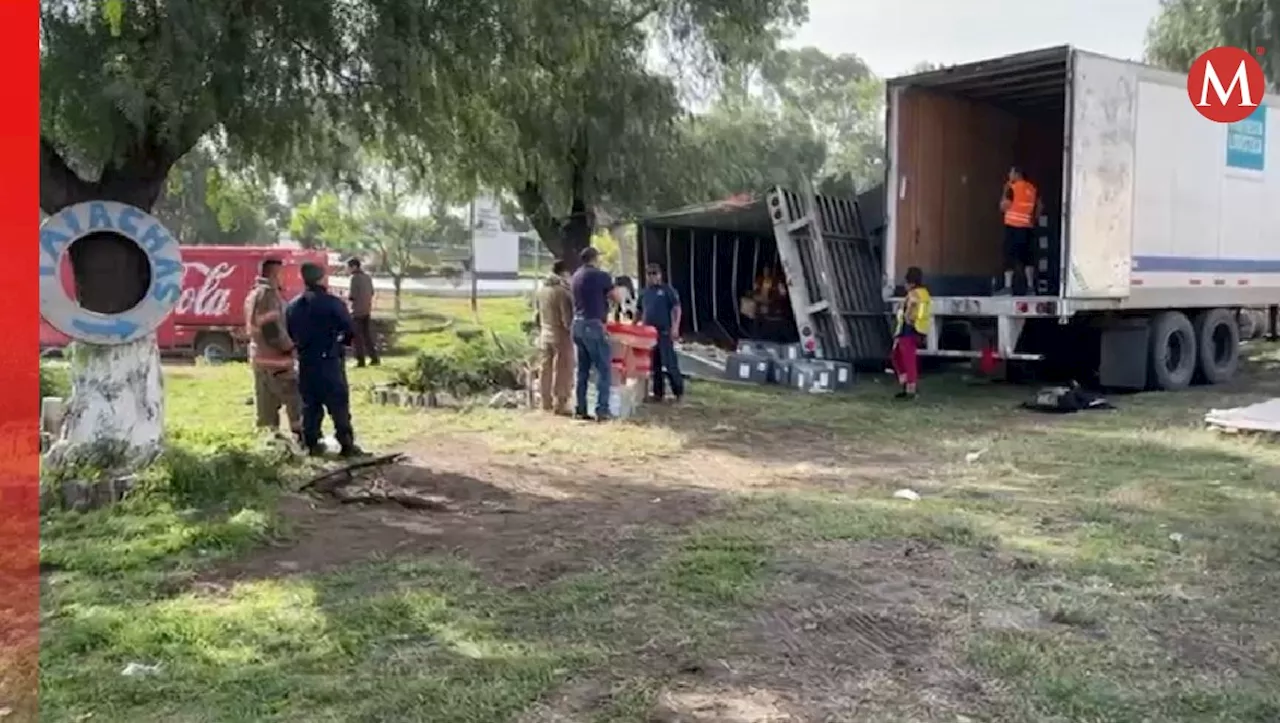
x=1158 y=225
x=209 y=316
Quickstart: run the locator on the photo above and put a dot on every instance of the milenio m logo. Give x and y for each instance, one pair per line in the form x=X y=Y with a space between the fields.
x=1226 y=84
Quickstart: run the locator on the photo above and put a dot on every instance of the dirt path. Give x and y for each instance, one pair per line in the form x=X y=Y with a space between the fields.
x=527 y=519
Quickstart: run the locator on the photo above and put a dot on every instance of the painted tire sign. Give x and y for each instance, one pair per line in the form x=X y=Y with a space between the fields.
x=163 y=254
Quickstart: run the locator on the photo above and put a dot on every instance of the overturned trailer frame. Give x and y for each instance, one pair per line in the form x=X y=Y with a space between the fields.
x=831 y=264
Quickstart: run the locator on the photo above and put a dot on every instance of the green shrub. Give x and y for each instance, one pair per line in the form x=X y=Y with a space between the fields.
x=225 y=474
x=480 y=363
x=55 y=381
x=195 y=503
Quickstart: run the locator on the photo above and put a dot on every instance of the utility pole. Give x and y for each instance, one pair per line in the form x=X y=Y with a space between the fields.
x=471 y=263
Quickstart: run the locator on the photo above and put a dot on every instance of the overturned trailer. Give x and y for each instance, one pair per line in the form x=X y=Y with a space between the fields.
x=828 y=257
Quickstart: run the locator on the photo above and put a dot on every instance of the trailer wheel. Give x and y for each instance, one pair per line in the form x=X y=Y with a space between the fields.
x=1218 y=344
x=1173 y=351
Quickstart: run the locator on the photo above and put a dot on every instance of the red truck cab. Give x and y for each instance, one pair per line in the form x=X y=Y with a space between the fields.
x=208 y=319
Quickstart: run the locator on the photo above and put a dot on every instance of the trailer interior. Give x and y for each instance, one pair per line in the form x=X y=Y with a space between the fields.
x=717 y=256
x=955 y=134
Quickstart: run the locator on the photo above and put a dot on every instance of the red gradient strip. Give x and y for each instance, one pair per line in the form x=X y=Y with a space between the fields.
x=19 y=362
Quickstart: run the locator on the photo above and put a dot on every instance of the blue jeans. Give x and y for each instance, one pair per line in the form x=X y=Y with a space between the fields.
x=592 y=343
x=664 y=364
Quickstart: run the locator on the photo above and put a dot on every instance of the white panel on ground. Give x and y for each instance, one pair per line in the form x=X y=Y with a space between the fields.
x=1261 y=417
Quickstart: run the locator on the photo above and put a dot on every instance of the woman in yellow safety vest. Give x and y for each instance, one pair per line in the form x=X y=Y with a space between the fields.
x=912 y=324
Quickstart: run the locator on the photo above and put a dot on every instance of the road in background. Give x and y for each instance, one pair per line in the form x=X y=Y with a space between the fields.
x=436 y=286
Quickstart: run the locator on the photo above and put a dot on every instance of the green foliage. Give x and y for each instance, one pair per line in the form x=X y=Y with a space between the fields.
x=610 y=252
x=744 y=145
x=128 y=88
x=842 y=102
x=578 y=118
x=204 y=202
x=194 y=502
x=215 y=476
x=322 y=222
x=482 y=362
x=55 y=381
x=1183 y=29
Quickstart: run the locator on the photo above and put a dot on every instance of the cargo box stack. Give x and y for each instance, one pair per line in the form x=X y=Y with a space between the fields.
x=754 y=368
x=787 y=365
x=1046 y=249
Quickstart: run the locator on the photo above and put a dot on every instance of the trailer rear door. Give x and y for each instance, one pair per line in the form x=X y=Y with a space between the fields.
x=833 y=271
x=1104 y=120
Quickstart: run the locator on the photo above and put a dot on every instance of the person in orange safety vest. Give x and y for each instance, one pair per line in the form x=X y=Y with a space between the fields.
x=1020 y=204
x=275 y=378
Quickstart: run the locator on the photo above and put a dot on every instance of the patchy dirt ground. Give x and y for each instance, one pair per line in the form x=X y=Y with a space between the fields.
x=525 y=519
x=848 y=627
x=988 y=600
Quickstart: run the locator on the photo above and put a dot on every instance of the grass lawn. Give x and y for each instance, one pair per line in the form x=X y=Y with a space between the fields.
x=738 y=558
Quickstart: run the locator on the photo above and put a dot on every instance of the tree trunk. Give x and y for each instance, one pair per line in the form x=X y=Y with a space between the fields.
x=115 y=417
x=565 y=239
x=576 y=234
x=397 y=281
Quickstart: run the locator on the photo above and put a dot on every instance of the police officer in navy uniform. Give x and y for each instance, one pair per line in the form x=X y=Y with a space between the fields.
x=659 y=307
x=320 y=326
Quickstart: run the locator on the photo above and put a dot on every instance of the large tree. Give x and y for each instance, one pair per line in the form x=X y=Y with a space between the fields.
x=843 y=103
x=128 y=88
x=544 y=99
x=1183 y=29
x=582 y=115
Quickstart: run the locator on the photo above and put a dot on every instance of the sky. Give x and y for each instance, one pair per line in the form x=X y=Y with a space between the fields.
x=892 y=36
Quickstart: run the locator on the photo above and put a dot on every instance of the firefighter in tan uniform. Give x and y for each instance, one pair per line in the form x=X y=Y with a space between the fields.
x=555 y=344
x=275 y=379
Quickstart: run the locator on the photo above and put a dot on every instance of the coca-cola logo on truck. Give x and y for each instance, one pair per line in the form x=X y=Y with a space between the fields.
x=205 y=294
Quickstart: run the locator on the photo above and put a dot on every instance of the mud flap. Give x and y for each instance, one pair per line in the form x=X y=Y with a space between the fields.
x=1124 y=359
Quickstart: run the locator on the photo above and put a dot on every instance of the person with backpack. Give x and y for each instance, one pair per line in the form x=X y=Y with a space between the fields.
x=912 y=325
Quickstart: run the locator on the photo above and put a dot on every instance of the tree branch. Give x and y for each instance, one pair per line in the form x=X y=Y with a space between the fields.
x=59 y=185
x=338 y=75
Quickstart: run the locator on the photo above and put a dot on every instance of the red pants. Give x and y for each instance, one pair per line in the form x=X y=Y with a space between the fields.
x=904 y=359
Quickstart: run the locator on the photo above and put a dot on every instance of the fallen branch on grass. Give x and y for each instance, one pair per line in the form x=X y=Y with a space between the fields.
x=340 y=484
x=329 y=480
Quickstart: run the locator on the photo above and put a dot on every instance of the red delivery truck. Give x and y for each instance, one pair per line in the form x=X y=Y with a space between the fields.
x=208 y=319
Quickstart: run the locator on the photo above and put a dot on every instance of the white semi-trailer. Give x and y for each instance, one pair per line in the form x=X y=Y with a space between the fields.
x=1158 y=225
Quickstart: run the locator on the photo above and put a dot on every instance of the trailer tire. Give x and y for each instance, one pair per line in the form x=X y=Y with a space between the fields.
x=1217 y=345
x=1172 y=356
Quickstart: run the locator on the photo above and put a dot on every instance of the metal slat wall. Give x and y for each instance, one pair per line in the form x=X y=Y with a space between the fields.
x=852 y=294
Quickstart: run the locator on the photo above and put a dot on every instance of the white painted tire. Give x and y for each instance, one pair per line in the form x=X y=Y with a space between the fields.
x=65 y=314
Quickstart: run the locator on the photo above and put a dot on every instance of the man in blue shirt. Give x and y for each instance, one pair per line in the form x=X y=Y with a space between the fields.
x=320 y=325
x=659 y=307
x=591 y=288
